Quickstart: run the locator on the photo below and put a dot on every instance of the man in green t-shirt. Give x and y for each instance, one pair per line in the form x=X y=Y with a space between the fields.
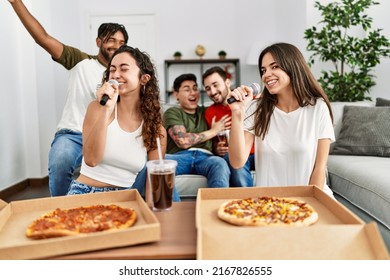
x=189 y=136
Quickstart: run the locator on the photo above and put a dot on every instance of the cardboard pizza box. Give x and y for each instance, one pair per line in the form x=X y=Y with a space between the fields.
x=338 y=233
x=2 y=204
x=16 y=216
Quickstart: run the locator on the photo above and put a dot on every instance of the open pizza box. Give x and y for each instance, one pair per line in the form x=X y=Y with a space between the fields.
x=2 y=204
x=338 y=234
x=16 y=216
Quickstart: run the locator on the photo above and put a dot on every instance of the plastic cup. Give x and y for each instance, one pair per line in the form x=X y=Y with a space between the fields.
x=161 y=174
x=223 y=136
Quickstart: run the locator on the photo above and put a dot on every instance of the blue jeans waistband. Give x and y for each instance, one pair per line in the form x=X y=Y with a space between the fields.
x=80 y=188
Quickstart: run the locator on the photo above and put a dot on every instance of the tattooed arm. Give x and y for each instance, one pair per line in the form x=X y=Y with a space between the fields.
x=185 y=140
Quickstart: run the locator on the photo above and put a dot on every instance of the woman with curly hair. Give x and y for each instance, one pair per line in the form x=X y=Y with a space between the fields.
x=290 y=123
x=120 y=136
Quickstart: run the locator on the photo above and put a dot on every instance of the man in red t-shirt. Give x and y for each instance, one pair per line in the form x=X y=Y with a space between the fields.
x=217 y=86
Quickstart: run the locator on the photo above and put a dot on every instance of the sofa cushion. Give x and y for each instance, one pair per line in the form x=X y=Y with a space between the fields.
x=381 y=102
x=364 y=182
x=364 y=131
x=338 y=110
x=187 y=185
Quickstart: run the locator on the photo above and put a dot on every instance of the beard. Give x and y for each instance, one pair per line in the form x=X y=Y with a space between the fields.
x=222 y=96
x=105 y=53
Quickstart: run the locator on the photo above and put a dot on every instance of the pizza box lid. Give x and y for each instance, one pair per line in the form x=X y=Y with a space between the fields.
x=338 y=233
x=16 y=216
x=2 y=204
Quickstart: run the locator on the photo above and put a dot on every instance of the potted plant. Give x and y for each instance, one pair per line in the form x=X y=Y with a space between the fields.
x=353 y=57
x=177 y=55
x=222 y=54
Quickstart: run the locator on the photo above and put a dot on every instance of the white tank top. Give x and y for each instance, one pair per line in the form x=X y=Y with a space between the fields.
x=124 y=156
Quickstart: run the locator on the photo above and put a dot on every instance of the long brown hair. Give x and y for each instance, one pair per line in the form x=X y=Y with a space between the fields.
x=305 y=87
x=149 y=96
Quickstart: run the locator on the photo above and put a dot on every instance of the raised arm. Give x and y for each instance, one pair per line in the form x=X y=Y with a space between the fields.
x=39 y=34
x=240 y=141
x=96 y=121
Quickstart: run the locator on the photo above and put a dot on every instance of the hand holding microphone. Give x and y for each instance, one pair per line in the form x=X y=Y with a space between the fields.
x=105 y=97
x=254 y=86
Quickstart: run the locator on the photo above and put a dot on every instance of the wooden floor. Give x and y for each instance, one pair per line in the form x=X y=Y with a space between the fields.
x=29 y=193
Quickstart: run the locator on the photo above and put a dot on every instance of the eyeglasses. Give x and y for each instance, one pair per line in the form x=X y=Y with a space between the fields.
x=189 y=90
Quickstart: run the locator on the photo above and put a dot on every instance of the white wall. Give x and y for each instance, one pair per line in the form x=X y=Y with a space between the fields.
x=33 y=86
x=13 y=153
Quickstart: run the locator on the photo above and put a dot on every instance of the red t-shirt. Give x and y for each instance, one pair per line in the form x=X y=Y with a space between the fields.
x=219 y=110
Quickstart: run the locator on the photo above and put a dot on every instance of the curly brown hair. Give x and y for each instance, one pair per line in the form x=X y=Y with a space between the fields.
x=149 y=95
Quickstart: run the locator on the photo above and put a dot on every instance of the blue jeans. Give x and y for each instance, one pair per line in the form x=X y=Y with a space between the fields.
x=140 y=183
x=64 y=157
x=242 y=177
x=80 y=188
x=214 y=168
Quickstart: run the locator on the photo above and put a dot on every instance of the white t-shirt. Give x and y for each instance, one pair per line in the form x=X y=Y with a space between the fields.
x=124 y=157
x=287 y=154
x=84 y=79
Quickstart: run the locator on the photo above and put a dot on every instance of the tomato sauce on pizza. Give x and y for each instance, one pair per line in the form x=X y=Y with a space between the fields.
x=267 y=211
x=81 y=220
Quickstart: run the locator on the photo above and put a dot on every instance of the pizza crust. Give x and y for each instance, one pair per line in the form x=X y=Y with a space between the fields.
x=81 y=220
x=267 y=211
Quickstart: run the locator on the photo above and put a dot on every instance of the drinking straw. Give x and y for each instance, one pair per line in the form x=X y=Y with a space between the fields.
x=159 y=150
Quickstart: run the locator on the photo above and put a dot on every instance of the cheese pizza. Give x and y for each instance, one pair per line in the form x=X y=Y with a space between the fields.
x=267 y=211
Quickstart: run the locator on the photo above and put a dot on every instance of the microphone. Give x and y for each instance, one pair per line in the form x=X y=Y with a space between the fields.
x=256 y=91
x=104 y=99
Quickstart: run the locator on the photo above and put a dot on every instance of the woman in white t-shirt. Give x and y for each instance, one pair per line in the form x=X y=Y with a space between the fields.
x=290 y=123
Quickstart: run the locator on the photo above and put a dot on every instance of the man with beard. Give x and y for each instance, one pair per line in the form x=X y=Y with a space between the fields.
x=85 y=73
x=217 y=86
x=188 y=136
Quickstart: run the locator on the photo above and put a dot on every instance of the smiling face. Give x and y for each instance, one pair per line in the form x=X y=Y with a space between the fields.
x=108 y=46
x=124 y=69
x=216 y=88
x=274 y=78
x=188 y=96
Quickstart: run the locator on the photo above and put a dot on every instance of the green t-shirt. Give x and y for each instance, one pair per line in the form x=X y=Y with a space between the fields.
x=195 y=123
x=71 y=56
